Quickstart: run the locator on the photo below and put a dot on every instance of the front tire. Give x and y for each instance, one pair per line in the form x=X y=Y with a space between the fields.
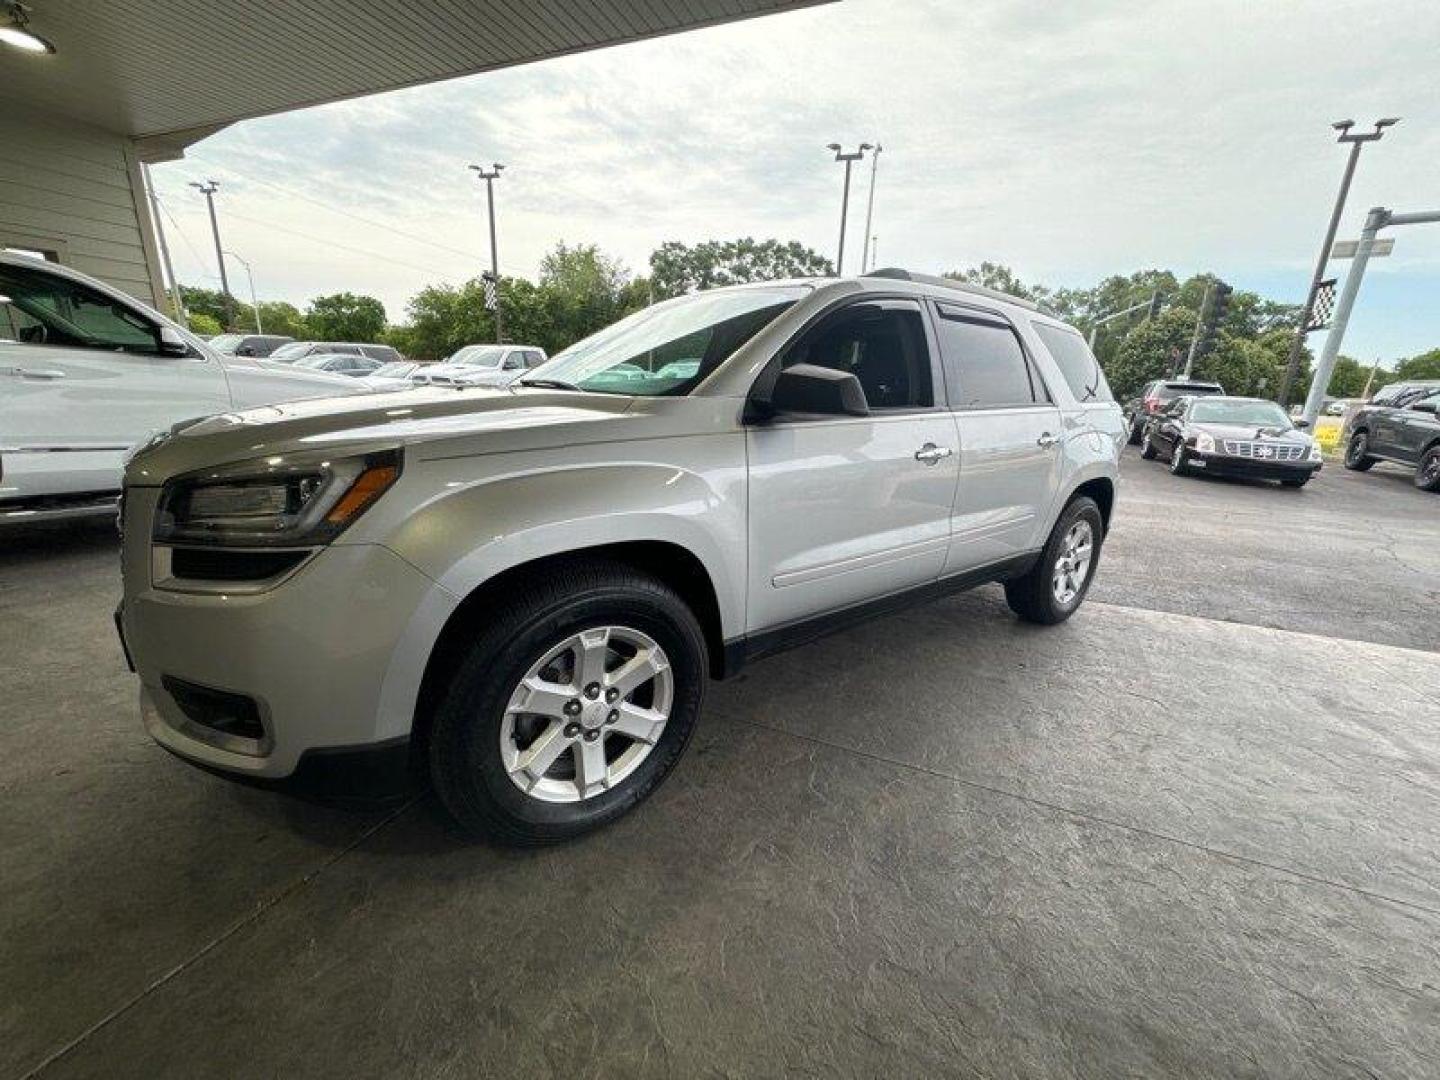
x=1177 y=460
x=1147 y=447
x=570 y=707
x=1056 y=585
x=1427 y=473
x=1357 y=456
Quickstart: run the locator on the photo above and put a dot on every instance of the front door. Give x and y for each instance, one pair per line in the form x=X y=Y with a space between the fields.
x=848 y=509
x=82 y=379
x=1010 y=437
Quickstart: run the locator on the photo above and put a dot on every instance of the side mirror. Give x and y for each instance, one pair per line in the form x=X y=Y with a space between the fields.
x=807 y=388
x=1301 y=423
x=172 y=344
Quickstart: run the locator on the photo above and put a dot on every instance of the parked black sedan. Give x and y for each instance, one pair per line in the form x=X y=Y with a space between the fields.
x=1231 y=436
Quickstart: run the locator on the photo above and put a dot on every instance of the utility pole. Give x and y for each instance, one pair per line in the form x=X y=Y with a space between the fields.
x=848 y=159
x=254 y=303
x=1292 y=368
x=490 y=176
x=1378 y=218
x=208 y=189
x=164 y=247
x=1195 y=337
x=870 y=209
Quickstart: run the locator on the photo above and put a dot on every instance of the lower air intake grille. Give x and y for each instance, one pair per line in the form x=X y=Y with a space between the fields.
x=209 y=564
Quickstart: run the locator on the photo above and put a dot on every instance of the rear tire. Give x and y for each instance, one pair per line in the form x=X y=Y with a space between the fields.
x=477 y=724
x=1039 y=597
x=1357 y=458
x=1427 y=473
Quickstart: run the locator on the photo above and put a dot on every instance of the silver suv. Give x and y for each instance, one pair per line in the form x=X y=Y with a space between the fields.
x=520 y=594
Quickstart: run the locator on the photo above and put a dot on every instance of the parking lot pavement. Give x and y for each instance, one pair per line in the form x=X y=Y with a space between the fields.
x=1351 y=555
x=1164 y=838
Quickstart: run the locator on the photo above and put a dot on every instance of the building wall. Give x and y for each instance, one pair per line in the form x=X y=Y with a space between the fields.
x=76 y=191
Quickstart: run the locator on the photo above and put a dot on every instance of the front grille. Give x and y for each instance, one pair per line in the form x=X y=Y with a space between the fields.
x=1264 y=451
x=218 y=564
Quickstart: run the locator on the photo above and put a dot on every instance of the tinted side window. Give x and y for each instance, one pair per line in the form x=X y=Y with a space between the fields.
x=534 y=358
x=882 y=345
x=41 y=309
x=985 y=366
x=1076 y=363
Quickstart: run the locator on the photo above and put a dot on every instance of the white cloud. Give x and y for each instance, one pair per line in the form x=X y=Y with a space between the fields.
x=1070 y=141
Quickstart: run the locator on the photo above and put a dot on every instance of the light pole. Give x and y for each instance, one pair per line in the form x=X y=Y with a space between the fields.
x=1292 y=368
x=254 y=303
x=490 y=175
x=208 y=189
x=1378 y=218
x=865 y=252
x=848 y=159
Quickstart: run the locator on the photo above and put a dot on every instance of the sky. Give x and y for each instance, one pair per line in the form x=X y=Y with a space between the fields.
x=1069 y=141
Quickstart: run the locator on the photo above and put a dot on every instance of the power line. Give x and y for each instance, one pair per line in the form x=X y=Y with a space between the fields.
x=383 y=257
x=194 y=252
x=335 y=209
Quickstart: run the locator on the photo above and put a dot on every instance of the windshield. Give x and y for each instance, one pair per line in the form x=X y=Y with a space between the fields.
x=669 y=348
x=1259 y=413
x=477 y=356
x=291 y=351
x=396 y=368
x=226 y=343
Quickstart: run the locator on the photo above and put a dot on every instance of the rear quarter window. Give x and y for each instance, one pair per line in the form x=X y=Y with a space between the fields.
x=1076 y=363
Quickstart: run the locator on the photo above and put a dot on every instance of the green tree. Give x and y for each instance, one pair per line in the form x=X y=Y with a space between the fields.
x=345 y=317
x=677 y=268
x=1424 y=366
x=443 y=318
x=1154 y=349
x=211 y=302
x=204 y=324
x=999 y=277
x=278 y=317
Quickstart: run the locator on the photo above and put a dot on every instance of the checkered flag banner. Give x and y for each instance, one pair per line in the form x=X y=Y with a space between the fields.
x=492 y=298
x=1323 y=307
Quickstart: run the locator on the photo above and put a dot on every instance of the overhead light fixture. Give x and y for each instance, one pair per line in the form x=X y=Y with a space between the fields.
x=17 y=33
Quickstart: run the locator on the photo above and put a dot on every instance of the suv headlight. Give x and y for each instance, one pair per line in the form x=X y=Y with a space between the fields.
x=291 y=500
x=1205 y=442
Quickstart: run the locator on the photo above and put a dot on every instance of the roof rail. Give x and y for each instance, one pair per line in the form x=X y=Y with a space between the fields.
x=897 y=274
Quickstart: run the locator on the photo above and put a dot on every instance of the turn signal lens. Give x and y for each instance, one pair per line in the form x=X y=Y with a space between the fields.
x=368 y=487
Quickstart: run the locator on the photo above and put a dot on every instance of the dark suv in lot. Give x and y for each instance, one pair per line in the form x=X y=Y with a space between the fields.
x=1400 y=425
x=1157 y=394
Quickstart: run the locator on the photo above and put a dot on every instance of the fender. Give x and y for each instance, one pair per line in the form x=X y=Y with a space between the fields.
x=521 y=517
x=1091 y=459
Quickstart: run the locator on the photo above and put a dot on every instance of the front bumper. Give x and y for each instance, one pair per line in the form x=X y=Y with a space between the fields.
x=1216 y=464
x=312 y=654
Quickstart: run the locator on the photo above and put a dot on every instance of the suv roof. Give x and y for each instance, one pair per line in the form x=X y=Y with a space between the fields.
x=895 y=273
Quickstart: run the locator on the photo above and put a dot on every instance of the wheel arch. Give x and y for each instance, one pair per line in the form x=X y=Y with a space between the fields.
x=671 y=563
x=1102 y=490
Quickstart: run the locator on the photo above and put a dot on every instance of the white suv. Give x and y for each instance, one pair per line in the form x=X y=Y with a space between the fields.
x=520 y=594
x=86 y=372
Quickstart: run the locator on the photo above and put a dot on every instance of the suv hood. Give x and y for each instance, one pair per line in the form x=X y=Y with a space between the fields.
x=432 y=422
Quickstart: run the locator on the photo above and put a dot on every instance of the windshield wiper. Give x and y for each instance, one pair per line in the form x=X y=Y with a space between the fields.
x=549 y=384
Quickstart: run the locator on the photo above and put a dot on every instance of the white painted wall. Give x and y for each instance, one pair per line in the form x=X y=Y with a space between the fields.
x=76 y=190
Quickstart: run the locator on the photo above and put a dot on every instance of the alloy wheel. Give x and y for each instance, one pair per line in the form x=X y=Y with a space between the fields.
x=1358 y=447
x=1073 y=564
x=1430 y=469
x=586 y=714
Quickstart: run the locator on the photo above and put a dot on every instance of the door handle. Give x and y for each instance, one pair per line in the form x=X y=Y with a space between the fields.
x=930 y=453
x=1046 y=439
x=38 y=373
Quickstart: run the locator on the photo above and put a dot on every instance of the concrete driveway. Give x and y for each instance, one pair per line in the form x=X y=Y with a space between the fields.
x=1191 y=832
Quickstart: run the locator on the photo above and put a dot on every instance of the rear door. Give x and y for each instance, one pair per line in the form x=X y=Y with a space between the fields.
x=845 y=509
x=1010 y=434
x=82 y=379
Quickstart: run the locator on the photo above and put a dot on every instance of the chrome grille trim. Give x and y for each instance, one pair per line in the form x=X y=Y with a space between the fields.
x=1275 y=451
